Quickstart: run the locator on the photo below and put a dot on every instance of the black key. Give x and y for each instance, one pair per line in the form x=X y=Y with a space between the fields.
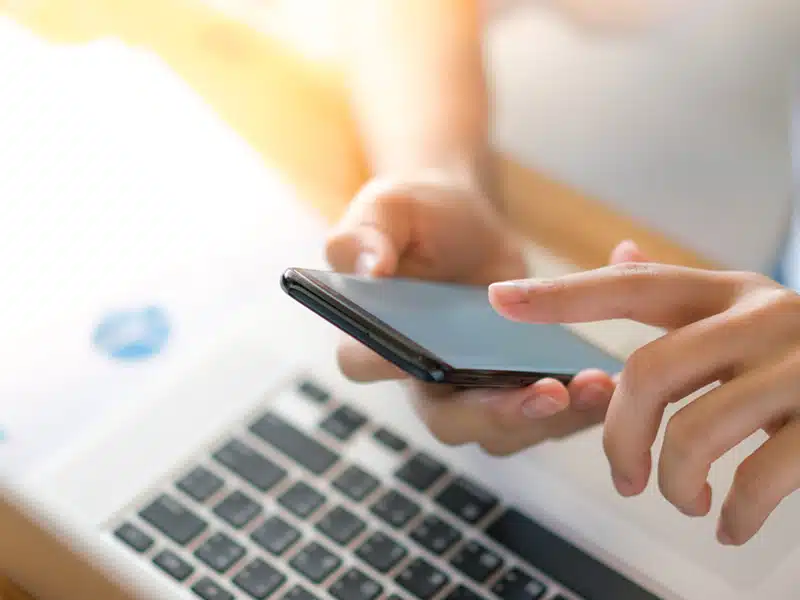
x=259 y=579
x=173 y=565
x=355 y=483
x=134 y=537
x=341 y=525
x=562 y=561
x=295 y=444
x=434 y=534
x=220 y=552
x=275 y=535
x=421 y=471
x=173 y=519
x=298 y=592
x=200 y=484
x=343 y=423
x=315 y=562
x=476 y=561
x=467 y=500
x=422 y=579
x=238 y=509
x=516 y=585
x=381 y=552
x=301 y=499
x=390 y=440
x=207 y=589
x=461 y=592
x=355 y=585
x=396 y=509
x=314 y=392
x=250 y=465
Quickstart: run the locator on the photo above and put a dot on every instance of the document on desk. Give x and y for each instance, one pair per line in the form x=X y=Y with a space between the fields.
x=132 y=221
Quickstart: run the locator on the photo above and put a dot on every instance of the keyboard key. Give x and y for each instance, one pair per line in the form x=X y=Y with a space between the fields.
x=314 y=391
x=200 y=484
x=562 y=561
x=476 y=561
x=355 y=585
x=435 y=535
x=395 y=508
x=208 y=589
x=259 y=580
x=250 y=465
x=315 y=562
x=516 y=585
x=301 y=499
x=298 y=592
x=421 y=471
x=422 y=579
x=238 y=509
x=295 y=444
x=220 y=552
x=355 y=483
x=173 y=519
x=390 y=440
x=462 y=592
x=343 y=423
x=341 y=526
x=381 y=552
x=134 y=537
x=466 y=500
x=173 y=565
x=275 y=535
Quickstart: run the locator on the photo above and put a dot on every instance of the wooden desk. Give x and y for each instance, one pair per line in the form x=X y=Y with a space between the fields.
x=292 y=110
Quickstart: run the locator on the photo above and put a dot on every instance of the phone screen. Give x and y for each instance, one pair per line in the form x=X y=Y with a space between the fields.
x=459 y=326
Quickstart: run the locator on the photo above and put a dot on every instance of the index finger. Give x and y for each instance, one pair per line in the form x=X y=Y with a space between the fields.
x=654 y=294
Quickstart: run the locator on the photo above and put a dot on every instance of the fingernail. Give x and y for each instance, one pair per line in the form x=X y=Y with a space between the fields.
x=541 y=406
x=510 y=291
x=623 y=484
x=593 y=395
x=366 y=263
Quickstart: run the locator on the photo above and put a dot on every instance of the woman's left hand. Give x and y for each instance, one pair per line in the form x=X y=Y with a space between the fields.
x=739 y=329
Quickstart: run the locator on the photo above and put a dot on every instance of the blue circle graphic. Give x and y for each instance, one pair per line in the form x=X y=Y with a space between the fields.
x=133 y=334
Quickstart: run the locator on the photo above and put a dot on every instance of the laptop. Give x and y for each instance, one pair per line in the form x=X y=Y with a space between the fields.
x=247 y=476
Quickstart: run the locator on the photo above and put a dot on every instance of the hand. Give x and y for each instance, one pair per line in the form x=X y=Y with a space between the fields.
x=436 y=228
x=739 y=329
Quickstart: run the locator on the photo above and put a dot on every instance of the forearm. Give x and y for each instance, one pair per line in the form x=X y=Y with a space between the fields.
x=417 y=85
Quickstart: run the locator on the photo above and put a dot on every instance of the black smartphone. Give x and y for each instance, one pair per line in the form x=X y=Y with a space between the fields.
x=444 y=333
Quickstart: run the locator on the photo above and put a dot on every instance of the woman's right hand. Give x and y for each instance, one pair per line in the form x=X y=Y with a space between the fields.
x=438 y=228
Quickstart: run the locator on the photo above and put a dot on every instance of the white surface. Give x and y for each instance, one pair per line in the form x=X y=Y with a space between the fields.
x=685 y=128
x=119 y=188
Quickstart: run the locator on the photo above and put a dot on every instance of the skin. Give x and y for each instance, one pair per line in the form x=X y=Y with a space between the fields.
x=741 y=330
x=418 y=89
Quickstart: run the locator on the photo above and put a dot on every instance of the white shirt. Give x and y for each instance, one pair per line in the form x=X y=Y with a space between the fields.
x=684 y=127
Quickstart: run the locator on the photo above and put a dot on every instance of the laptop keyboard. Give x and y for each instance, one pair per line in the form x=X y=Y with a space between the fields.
x=276 y=511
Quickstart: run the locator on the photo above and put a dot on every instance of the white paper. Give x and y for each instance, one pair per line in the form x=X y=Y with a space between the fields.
x=119 y=188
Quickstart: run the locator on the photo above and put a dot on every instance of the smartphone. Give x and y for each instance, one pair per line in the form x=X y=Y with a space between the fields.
x=444 y=333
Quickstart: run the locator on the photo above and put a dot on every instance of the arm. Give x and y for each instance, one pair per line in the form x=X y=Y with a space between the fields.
x=416 y=79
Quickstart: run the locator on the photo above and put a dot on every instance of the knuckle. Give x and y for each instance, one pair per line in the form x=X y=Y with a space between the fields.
x=747 y=489
x=683 y=440
x=642 y=371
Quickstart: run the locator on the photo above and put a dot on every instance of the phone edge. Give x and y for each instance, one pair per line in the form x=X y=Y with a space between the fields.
x=363 y=326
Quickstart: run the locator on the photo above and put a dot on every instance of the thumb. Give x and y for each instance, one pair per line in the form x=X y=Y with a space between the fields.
x=370 y=237
x=627 y=251
x=363 y=250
